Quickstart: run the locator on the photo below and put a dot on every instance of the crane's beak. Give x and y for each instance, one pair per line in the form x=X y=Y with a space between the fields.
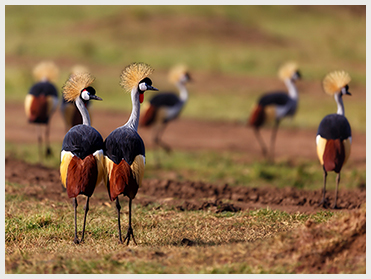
x=149 y=87
x=348 y=93
x=95 y=97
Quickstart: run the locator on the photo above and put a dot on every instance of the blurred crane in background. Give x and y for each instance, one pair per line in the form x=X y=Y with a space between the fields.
x=124 y=152
x=42 y=100
x=70 y=113
x=164 y=107
x=81 y=165
x=273 y=106
x=334 y=136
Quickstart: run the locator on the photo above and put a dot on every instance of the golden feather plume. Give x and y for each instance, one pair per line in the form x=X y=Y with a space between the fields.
x=133 y=74
x=287 y=70
x=334 y=81
x=45 y=70
x=77 y=82
x=176 y=73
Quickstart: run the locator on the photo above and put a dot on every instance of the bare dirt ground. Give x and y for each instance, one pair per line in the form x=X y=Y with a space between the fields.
x=44 y=182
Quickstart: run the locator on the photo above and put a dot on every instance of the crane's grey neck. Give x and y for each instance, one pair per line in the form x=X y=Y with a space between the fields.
x=134 y=116
x=291 y=87
x=183 y=92
x=339 y=102
x=83 y=111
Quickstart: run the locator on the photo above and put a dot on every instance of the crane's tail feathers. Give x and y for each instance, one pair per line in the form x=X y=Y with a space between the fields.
x=120 y=179
x=77 y=175
x=98 y=155
x=137 y=168
x=149 y=116
x=321 y=144
x=334 y=155
x=66 y=157
x=257 y=116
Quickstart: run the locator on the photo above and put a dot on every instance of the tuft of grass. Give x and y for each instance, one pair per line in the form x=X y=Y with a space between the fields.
x=39 y=235
x=231 y=168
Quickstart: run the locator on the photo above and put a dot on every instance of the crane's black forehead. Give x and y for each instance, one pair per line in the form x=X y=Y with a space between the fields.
x=90 y=89
x=147 y=81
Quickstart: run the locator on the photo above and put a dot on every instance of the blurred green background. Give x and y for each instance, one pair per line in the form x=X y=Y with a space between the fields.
x=233 y=52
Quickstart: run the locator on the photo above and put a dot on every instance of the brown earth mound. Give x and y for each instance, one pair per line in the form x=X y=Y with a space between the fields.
x=44 y=183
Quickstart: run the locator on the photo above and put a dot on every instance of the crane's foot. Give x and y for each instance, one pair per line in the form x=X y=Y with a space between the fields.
x=167 y=149
x=128 y=235
x=323 y=203
x=48 y=152
x=76 y=240
x=335 y=206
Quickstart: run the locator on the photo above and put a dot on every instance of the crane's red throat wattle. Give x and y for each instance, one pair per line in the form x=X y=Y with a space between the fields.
x=141 y=97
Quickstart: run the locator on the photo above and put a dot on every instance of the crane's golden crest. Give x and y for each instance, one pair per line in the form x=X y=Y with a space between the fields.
x=133 y=74
x=176 y=73
x=77 y=82
x=287 y=70
x=334 y=81
x=45 y=70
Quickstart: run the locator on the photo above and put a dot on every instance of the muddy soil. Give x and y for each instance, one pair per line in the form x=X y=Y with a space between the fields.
x=43 y=183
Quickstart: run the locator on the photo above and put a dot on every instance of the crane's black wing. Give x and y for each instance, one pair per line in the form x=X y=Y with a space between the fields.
x=275 y=98
x=123 y=143
x=43 y=88
x=164 y=99
x=334 y=126
x=82 y=140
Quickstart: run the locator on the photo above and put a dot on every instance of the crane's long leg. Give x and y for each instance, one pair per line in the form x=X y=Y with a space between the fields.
x=86 y=212
x=118 y=207
x=337 y=188
x=273 y=138
x=76 y=240
x=48 y=150
x=40 y=141
x=159 y=130
x=261 y=142
x=323 y=201
x=130 y=229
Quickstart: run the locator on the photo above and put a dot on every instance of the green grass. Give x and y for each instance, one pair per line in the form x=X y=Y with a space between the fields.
x=39 y=235
x=220 y=168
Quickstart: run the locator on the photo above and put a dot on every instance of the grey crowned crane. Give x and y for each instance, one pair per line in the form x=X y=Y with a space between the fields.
x=81 y=167
x=42 y=100
x=165 y=107
x=70 y=114
x=124 y=152
x=274 y=106
x=334 y=136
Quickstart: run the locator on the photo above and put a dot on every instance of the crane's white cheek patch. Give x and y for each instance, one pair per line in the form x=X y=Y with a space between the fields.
x=142 y=86
x=85 y=95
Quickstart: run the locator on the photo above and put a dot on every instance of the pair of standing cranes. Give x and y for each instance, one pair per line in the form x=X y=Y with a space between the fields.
x=118 y=161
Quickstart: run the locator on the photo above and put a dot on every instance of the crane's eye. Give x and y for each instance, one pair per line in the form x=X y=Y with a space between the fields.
x=85 y=95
